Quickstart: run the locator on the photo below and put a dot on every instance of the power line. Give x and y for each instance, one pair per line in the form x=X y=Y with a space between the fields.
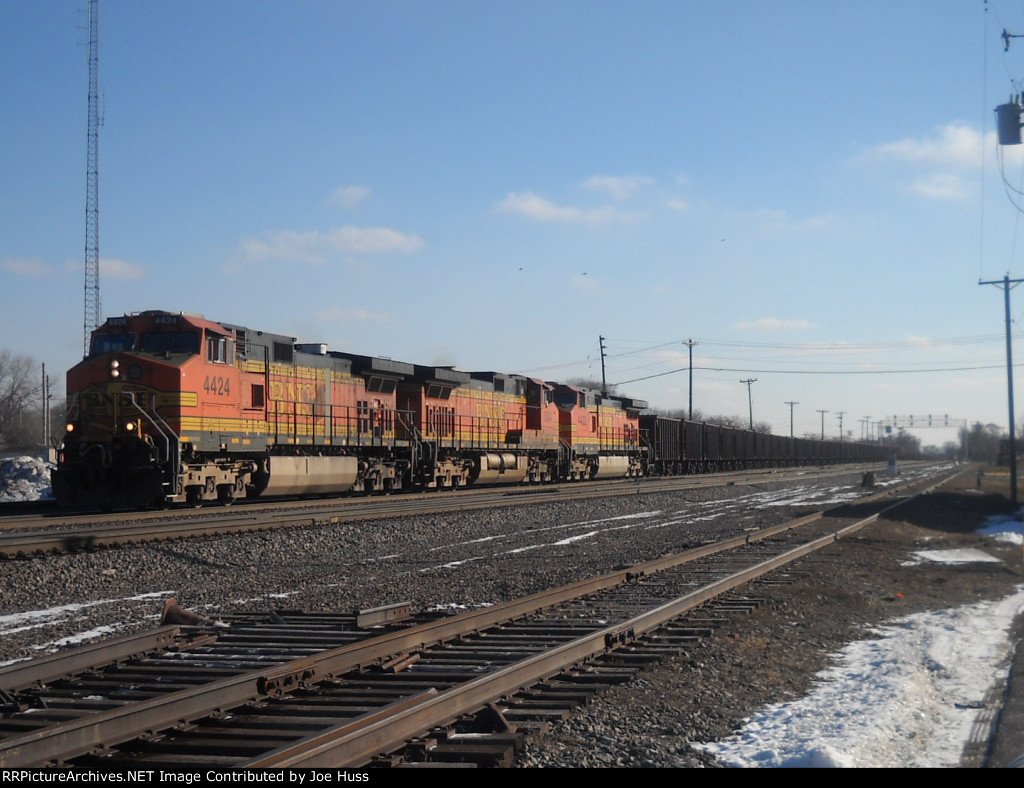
x=908 y=344
x=815 y=372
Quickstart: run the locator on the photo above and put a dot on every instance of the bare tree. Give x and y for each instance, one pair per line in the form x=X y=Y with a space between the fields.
x=982 y=441
x=727 y=421
x=20 y=388
x=590 y=384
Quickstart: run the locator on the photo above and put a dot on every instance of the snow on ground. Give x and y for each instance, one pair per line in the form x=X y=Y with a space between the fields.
x=1004 y=528
x=907 y=698
x=961 y=556
x=24 y=479
x=46 y=617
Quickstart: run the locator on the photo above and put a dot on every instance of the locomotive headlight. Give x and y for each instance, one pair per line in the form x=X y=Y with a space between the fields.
x=69 y=427
x=115 y=368
x=130 y=426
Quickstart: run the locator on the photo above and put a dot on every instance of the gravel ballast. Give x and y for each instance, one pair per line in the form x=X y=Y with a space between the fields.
x=476 y=558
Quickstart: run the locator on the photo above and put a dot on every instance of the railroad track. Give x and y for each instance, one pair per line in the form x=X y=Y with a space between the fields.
x=191 y=696
x=37 y=535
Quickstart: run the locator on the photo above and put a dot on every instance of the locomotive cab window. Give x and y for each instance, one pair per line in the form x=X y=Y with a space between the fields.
x=165 y=343
x=382 y=385
x=567 y=400
x=438 y=391
x=216 y=349
x=112 y=343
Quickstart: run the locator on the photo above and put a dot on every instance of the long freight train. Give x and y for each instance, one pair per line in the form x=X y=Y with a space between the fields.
x=174 y=408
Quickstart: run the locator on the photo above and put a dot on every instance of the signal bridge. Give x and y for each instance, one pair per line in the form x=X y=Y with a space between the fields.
x=918 y=422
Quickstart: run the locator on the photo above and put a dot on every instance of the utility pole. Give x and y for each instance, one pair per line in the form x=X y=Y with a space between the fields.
x=791 y=404
x=46 y=408
x=92 y=185
x=750 y=399
x=823 y=412
x=604 y=383
x=1008 y=284
x=690 y=343
x=840 y=416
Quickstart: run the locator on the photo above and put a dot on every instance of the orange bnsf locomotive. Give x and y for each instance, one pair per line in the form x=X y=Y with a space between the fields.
x=173 y=408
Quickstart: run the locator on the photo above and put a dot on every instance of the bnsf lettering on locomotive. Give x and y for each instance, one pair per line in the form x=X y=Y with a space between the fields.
x=292 y=392
x=218 y=386
x=490 y=411
x=97 y=399
x=290 y=398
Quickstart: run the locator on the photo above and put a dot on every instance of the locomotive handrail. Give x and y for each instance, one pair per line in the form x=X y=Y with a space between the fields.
x=167 y=444
x=168 y=433
x=173 y=467
x=566 y=450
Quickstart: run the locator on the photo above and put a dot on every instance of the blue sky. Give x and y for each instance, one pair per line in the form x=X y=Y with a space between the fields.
x=804 y=188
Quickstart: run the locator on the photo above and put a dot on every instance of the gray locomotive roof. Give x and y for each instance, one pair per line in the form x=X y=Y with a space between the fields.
x=373 y=364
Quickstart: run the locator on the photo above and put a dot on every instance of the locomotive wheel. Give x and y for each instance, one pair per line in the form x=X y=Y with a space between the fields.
x=194 y=497
x=225 y=494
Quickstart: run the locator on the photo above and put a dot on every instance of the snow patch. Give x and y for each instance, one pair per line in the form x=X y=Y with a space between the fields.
x=24 y=479
x=951 y=557
x=909 y=698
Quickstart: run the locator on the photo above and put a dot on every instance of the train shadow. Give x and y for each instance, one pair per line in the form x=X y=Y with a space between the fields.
x=944 y=512
x=188 y=558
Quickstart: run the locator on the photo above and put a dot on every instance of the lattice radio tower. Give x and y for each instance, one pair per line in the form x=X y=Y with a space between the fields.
x=92 y=185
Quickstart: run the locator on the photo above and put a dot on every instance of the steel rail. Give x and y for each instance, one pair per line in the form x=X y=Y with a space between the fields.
x=22 y=675
x=69 y=537
x=358 y=741
x=77 y=737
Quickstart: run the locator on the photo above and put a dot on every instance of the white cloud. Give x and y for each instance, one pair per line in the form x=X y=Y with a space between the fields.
x=115 y=268
x=775 y=324
x=940 y=186
x=534 y=206
x=618 y=187
x=918 y=341
x=314 y=246
x=682 y=206
x=348 y=196
x=345 y=315
x=953 y=144
x=31 y=269
x=781 y=220
x=936 y=159
x=587 y=284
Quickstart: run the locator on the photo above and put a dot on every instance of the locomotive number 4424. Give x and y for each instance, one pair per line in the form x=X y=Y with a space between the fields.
x=217 y=386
